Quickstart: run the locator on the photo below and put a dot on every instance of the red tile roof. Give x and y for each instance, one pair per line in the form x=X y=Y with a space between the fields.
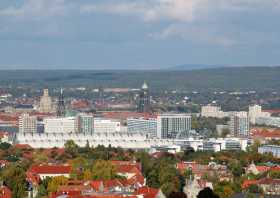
x=51 y=169
x=5 y=192
x=147 y=192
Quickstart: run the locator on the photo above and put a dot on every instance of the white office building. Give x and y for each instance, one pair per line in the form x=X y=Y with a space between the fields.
x=59 y=125
x=163 y=126
x=102 y=125
x=255 y=111
x=27 y=124
x=239 y=124
x=268 y=121
x=274 y=149
x=147 y=126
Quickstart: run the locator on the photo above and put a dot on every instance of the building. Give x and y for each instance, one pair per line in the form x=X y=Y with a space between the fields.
x=59 y=125
x=61 y=110
x=212 y=111
x=27 y=124
x=147 y=126
x=162 y=126
x=255 y=111
x=106 y=126
x=84 y=123
x=144 y=99
x=239 y=124
x=44 y=171
x=45 y=105
x=172 y=125
x=268 y=121
x=274 y=149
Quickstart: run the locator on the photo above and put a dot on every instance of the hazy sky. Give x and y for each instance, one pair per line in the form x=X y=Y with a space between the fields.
x=103 y=34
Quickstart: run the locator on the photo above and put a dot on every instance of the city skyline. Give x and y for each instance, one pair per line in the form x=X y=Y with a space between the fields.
x=110 y=34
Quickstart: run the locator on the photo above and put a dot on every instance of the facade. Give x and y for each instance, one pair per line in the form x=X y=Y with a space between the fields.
x=59 y=125
x=27 y=124
x=239 y=124
x=268 y=121
x=212 y=111
x=163 y=126
x=45 y=105
x=106 y=126
x=61 y=109
x=171 y=125
x=147 y=126
x=274 y=149
x=84 y=123
x=144 y=99
x=255 y=111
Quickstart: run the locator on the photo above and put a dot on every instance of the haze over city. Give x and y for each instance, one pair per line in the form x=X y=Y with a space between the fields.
x=137 y=34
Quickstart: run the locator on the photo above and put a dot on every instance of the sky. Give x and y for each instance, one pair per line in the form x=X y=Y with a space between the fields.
x=138 y=34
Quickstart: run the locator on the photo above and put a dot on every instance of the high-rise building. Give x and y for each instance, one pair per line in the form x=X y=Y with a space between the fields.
x=84 y=123
x=239 y=124
x=45 y=102
x=163 y=126
x=171 y=125
x=255 y=111
x=61 y=105
x=144 y=99
x=59 y=125
x=27 y=124
x=147 y=126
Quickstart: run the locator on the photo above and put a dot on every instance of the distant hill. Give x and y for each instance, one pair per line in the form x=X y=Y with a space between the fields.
x=211 y=79
x=195 y=67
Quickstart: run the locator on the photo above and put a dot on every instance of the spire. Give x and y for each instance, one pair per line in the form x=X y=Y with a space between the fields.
x=145 y=85
x=61 y=105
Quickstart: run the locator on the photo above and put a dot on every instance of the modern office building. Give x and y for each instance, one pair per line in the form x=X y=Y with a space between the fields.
x=59 y=125
x=61 y=110
x=239 y=124
x=84 y=123
x=147 y=126
x=274 y=149
x=268 y=121
x=27 y=124
x=144 y=99
x=171 y=125
x=45 y=105
x=101 y=125
x=163 y=126
x=255 y=111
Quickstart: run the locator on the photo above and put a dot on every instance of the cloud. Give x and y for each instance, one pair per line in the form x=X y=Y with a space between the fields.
x=149 y=10
x=36 y=9
x=194 y=34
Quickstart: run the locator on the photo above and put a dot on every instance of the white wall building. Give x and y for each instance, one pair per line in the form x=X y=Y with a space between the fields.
x=27 y=124
x=163 y=126
x=268 y=121
x=106 y=126
x=59 y=125
x=255 y=111
x=147 y=126
x=212 y=111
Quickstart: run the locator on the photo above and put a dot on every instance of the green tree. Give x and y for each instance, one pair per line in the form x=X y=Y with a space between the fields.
x=78 y=165
x=103 y=170
x=55 y=182
x=14 y=177
x=71 y=147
